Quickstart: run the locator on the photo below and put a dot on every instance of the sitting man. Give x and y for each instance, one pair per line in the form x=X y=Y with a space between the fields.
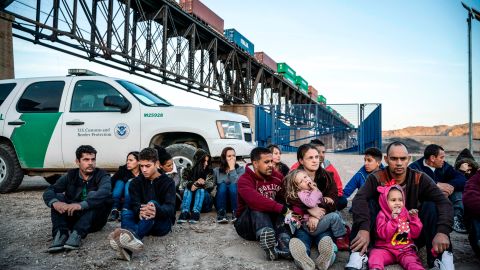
x=80 y=200
x=261 y=205
x=435 y=210
x=152 y=207
x=448 y=180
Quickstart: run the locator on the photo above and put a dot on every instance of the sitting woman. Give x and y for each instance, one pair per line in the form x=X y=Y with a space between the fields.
x=278 y=165
x=198 y=183
x=226 y=177
x=120 y=184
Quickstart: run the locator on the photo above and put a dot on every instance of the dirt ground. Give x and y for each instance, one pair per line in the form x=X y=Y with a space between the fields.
x=26 y=235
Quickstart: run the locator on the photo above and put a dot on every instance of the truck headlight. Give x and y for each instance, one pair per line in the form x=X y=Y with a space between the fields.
x=229 y=129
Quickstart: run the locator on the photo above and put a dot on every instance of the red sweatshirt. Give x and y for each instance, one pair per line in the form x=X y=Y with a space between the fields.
x=471 y=197
x=259 y=194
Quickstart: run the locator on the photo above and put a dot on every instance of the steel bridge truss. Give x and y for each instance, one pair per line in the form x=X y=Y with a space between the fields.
x=153 y=39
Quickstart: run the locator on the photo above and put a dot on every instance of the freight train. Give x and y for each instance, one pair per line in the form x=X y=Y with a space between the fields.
x=199 y=10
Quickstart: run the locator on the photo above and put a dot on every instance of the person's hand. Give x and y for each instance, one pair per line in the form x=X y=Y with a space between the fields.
x=143 y=211
x=465 y=167
x=59 y=207
x=413 y=212
x=396 y=211
x=447 y=189
x=71 y=208
x=360 y=242
x=440 y=243
x=317 y=212
x=312 y=185
x=200 y=181
x=328 y=200
x=312 y=223
x=150 y=210
x=231 y=164
x=194 y=188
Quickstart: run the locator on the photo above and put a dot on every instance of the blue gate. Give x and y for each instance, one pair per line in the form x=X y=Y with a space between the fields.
x=370 y=129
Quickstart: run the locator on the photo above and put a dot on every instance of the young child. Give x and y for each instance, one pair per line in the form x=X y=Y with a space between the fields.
x=302 y=193
x=372 y=163
x=396 y=229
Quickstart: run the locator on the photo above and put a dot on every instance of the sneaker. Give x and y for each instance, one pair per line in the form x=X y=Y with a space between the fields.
x=194 y=218
x=114 y=240
x=326 y=253
x=267 y=243
x=299 y=254
x=114 y=215
x=357 y=261
x=446 y=263
x=234 y=217
x=58 y=242
x=73 y=241
x=222 y=217
x=282 y=246
x=342 y=243
x=129 y=241
x=458 y=225
x=183 y=218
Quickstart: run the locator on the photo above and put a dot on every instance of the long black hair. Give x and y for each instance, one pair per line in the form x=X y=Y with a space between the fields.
x=223 y=159
x=197 y=170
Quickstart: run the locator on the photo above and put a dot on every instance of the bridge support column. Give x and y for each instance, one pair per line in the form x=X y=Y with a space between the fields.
x=244 y=109
x=6 y=47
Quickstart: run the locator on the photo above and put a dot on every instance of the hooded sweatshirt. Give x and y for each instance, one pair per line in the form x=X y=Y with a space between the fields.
x=357 y=181
x=191 y=174
x=263 y=194
x=471 y=197
x=399 y=232
x=466 y=157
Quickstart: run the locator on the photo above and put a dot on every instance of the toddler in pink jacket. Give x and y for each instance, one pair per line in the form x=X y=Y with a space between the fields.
x=396 y=229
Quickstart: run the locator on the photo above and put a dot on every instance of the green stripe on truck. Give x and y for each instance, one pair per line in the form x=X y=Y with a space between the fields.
x=31 y=140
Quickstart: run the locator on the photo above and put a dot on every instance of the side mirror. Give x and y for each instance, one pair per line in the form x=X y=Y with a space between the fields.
x=117 y=102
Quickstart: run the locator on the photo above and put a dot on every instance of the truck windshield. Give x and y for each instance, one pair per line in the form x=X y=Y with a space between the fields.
x=143 y=95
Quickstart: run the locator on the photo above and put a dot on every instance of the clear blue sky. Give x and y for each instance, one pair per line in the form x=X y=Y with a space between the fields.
x=411 y=56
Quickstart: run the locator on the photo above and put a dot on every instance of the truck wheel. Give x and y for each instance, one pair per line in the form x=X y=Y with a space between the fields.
x=11 y=174
x=182 y=155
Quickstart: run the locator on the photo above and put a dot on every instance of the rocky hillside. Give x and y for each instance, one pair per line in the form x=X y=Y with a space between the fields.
x=442 y=130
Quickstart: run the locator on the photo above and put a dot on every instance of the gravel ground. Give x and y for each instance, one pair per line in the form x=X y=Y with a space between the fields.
x=25 y=226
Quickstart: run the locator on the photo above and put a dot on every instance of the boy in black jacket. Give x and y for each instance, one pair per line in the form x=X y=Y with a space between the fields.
x=80 y=201
x=152 y=207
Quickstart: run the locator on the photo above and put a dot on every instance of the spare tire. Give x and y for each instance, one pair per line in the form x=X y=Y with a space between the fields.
x=11 y=174
x=182 y=155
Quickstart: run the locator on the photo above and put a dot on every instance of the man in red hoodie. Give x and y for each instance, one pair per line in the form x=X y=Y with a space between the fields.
x=261 y=205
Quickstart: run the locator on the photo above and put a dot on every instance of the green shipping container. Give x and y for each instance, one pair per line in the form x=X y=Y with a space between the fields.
x=322 y=99
x=330 y=109
x=301 y=83
x=289 y=78
x=284 y=68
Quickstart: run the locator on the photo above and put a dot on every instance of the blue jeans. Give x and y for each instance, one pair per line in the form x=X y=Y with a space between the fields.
x=307 y=239
x=225 y=190
x=456 y=199
x=202 y=202
x=155 y=227
x=330 y=222
x=250 y=223
x=117 y=194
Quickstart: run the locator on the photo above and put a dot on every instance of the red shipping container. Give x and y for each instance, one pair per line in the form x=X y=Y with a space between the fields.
x=312 y=91
x=266 y=60
x=202 y=12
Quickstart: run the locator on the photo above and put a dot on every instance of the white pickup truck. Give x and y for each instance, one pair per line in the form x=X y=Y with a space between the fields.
x=44 y=120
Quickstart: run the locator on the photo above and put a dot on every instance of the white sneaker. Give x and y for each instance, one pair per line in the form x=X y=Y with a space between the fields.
x=326 y=253
x=357 y=261
x=128 y=241
x=299 y=254
x=446 y=263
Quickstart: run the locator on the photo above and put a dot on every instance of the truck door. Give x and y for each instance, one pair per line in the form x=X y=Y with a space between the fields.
x=88 y=121
x=33 y=122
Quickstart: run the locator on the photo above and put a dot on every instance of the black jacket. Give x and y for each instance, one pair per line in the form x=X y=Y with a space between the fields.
x=160 y=191
x=123 y=174
x=446 y=174
x=98 y=187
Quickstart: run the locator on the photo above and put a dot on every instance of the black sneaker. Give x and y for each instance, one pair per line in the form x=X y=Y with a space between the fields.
x=458 y=225
x=114 y=215
x=73 y=241
x=58 y=242
x=195 y=217
x=267 y=243
x=184 y=217
x=282 y=248
x=222 y=216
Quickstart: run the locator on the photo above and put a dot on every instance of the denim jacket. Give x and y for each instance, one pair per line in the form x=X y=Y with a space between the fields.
x=230 y=177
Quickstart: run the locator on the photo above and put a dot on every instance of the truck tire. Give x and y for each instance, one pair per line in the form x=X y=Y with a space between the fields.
x=11 y=174
x=182 y=155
